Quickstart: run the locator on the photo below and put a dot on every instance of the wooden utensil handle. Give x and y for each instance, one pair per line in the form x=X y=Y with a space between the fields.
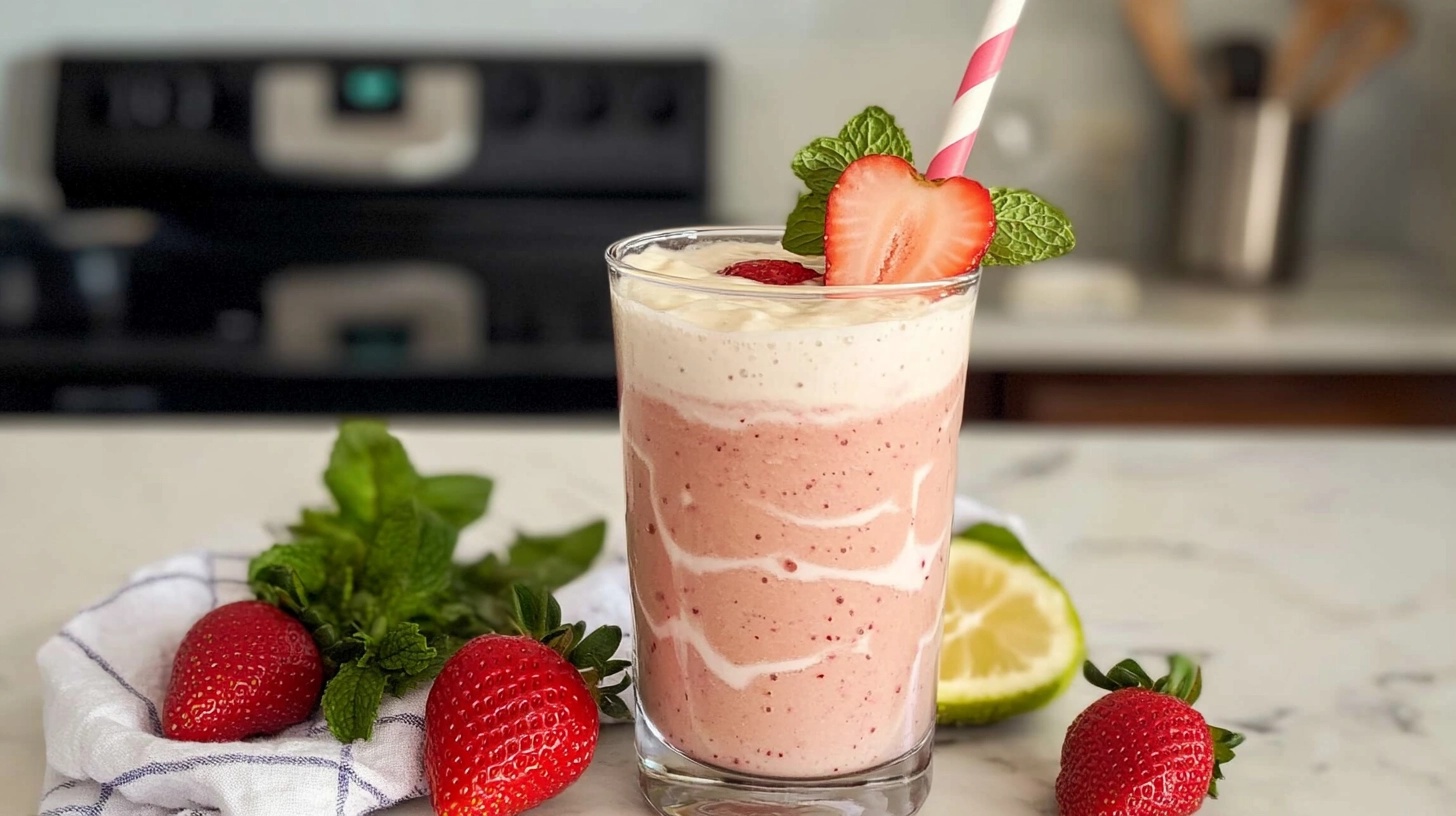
x=1313 y=24
x=1157 y=25
x=1383 y=32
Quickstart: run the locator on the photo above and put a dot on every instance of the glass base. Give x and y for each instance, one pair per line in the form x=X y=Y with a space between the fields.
x=675 y=785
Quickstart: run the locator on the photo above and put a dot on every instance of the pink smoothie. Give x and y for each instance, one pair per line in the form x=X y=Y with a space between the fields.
x=789 y=497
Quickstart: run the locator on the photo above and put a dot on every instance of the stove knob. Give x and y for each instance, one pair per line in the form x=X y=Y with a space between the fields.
x=656 y=102
x=515 y=98
x=587 y=101
x=143 y=100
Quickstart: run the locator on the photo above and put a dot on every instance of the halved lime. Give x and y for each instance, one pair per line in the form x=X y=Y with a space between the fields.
x=1012 y=639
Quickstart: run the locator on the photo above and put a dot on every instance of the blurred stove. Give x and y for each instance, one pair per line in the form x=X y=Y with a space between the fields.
x=297 y=233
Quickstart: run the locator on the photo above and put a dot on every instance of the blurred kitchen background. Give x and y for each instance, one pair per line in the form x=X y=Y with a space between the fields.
x=328 y=206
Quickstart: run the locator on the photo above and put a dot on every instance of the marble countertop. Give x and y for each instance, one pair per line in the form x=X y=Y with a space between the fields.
x=1349 y=314
x=1312 y=573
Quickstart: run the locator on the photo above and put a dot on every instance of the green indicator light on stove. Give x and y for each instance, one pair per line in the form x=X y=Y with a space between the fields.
x=371 y=88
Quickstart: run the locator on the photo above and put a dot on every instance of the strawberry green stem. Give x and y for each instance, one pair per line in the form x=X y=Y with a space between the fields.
x=1184 y=681
x=538 y=616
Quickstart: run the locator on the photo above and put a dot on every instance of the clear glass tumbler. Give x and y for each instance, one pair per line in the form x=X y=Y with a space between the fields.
x=790 y=458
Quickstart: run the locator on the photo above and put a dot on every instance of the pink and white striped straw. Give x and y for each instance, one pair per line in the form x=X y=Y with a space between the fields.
x=975 y=91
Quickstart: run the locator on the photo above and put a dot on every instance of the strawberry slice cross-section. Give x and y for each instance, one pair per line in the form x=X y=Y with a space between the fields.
x=886 y=223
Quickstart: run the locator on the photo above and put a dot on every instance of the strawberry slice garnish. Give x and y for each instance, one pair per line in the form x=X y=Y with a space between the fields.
x=778 y=273
x=887 y=223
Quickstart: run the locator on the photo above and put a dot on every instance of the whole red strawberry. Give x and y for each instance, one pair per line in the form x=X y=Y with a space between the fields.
x=244 y=669
x=512 y=720
x=1142 y=750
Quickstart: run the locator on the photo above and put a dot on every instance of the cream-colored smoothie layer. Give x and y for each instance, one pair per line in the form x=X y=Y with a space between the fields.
x=781 y=352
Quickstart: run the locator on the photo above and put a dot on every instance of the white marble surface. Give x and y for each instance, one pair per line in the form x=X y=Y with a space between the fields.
x=1313 y=574
x=1349 y=314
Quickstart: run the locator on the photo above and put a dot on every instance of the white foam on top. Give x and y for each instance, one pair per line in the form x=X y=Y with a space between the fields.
x=844 y=356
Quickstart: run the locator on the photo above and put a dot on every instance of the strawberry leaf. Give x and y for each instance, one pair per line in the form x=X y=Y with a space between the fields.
x=531 y=610
x=597 y=648
x=1097 y=678
x=1128 y=674
x=613 y=707
x=351 y=701
x=1183 y=674
x=1224 y=743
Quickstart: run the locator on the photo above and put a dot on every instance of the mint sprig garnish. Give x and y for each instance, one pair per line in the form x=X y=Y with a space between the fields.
x=374 y=580
x=804 y=232
x=1028 y=229
x=873 y=131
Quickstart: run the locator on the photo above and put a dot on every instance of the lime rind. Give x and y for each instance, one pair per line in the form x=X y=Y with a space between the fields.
x=981 y=700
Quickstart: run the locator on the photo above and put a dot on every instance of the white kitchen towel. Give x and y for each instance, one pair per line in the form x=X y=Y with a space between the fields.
x=105 y=676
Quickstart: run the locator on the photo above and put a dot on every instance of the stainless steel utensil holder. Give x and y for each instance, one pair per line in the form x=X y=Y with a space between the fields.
x=1241 y=192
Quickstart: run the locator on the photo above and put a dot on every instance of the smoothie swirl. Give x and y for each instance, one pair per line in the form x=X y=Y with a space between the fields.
x=790 y=467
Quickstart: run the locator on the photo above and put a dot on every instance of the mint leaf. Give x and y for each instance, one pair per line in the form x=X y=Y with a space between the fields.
x=430 y=572
x=409 y=564
x=300 y=569
x=874 y=132
x=555 y=561
x=804 y=231
x=351 y=701
x=397 y=543
x=820 y=163
x=404 y=649
x=1028 y=229
x=368 y=471
x=547 y=562
x=459 y=499
x=398 y=683
x=347 y=546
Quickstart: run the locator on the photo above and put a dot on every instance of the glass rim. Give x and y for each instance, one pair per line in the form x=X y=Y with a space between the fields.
x=618 y=253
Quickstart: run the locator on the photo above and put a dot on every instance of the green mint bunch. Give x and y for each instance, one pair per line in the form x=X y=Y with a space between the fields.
x=1028 y=228
x=374 y=578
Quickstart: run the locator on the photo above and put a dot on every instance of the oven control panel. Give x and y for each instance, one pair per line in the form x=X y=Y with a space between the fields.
x=157 y=130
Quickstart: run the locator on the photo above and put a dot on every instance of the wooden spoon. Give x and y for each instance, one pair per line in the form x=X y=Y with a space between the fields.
x=1382 y=33
x=1158 y=27
x=1314 y=24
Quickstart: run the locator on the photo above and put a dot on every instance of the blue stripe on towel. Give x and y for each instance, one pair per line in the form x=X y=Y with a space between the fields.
x=152 y=718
